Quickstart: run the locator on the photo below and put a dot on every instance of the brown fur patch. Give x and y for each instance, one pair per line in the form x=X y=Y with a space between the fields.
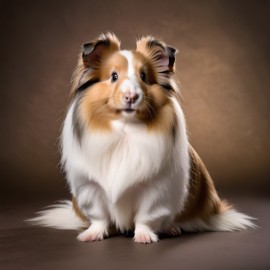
x=104 y=46
x=101 y=102
x=78 y=211
x=162 y=59
x=203 y=200
x=158 y=113
x=95 y=52
x=94 y=108
x=156 y=110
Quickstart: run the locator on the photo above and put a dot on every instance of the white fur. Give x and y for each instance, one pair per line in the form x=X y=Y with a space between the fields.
x=95 y=232
x=59 y=216
x=230 y=220
x=130 y=84
x=128 y=171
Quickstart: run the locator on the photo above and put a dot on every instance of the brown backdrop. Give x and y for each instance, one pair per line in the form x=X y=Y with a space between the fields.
x=223 y=65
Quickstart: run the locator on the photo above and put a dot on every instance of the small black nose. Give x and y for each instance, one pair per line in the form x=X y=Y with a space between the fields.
x=130 y=98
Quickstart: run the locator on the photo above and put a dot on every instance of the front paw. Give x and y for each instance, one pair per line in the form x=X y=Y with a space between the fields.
x=96 y=232
x=144 y=235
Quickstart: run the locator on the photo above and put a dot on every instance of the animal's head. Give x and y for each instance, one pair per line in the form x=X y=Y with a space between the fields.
x=111 y=83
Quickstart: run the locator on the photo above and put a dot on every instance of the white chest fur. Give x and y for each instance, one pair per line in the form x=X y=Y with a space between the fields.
x=125 y=157
x=119 y=159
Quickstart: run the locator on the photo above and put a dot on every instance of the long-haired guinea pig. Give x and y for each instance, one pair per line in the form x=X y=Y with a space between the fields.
x=126 y=154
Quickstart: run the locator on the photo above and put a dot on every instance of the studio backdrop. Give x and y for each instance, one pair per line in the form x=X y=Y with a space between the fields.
x=222 y=65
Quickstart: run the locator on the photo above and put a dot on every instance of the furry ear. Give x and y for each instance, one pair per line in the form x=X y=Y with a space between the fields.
x=93 y=52
x=161 y=56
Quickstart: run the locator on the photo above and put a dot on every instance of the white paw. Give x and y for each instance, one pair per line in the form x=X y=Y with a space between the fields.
x=96 y=232
x=144 y=235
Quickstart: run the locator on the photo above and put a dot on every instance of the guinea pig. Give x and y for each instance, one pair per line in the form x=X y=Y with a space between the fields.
x=126 y=154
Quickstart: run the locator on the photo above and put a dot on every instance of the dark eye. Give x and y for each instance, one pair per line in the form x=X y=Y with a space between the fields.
x=114 y=77
x=143 y=76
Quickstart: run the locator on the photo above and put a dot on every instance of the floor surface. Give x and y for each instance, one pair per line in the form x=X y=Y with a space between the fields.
x=25 y=247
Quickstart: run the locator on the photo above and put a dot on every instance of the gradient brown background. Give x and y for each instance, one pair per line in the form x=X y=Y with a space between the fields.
x=223 y=66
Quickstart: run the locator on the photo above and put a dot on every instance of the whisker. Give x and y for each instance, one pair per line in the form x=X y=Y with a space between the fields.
x=150 y=108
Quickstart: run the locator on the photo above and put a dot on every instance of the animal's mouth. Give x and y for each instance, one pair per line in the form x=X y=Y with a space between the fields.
x=128 y=110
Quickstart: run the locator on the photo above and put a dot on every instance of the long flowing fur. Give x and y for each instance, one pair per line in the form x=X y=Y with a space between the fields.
x=204 y=210
x=59 y=216
x=126 y=153
x=62 y=216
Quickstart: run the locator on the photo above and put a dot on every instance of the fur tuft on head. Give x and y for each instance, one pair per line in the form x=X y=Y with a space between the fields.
x=90 y=61
x=162 y=57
